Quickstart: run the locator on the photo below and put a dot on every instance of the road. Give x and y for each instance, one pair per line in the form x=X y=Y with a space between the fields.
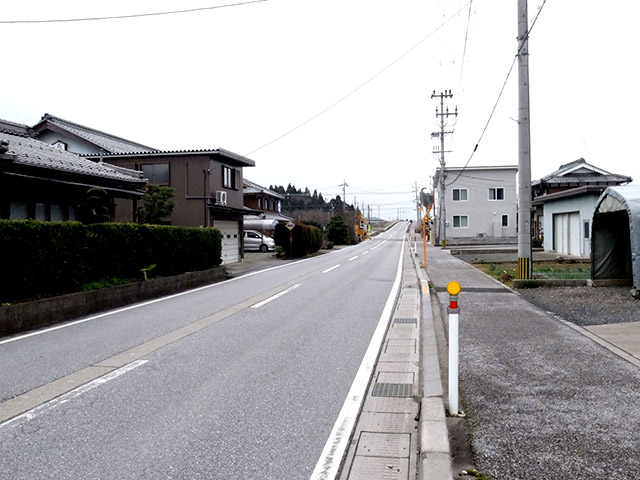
x=241 y=379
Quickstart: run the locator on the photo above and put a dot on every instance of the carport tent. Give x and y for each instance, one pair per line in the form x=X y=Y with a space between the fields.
x=615 y=239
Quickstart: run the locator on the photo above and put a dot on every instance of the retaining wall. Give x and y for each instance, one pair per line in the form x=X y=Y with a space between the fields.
x=48 y=311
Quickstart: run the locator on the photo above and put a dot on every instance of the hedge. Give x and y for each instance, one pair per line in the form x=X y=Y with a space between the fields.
x=305 y=238
x=42 y=259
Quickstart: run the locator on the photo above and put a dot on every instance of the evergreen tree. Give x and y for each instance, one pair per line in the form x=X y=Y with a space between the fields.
x=157 y=204
x=338 y=230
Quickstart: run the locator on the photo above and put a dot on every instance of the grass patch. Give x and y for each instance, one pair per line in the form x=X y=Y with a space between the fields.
x=506 y=272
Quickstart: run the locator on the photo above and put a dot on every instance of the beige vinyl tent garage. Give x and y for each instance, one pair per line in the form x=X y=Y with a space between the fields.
x=615 y=239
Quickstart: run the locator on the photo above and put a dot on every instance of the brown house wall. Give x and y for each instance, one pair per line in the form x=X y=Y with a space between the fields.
x=189 y=177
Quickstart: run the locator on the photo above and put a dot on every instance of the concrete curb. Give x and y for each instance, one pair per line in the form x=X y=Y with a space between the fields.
x=435 y=450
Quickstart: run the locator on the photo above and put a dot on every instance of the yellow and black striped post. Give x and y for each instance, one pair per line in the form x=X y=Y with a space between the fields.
x=524 y=269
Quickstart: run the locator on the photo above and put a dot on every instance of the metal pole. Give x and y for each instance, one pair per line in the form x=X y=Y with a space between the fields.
x=453 y=288
x=524 y=147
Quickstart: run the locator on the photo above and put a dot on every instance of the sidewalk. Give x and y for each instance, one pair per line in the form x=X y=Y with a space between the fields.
x=543 y=399
x=401 y=432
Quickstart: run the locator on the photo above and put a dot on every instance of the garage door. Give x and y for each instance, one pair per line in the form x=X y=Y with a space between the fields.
x=566 y=233
x=230 y=240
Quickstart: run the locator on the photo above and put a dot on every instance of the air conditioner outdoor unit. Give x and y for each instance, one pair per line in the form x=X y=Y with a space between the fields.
x=221 y=198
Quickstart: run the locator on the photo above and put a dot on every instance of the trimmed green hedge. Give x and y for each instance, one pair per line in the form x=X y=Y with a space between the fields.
x=306 y=239
x=42 y=259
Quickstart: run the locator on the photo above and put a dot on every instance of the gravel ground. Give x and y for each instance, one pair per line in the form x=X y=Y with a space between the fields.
x=586 y=306
x=542 y=400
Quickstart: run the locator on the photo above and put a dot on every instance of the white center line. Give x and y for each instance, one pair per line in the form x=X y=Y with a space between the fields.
x=365 y=252
x=56 y=402
x=277 y=295
x=352 y=258
x=332 y=268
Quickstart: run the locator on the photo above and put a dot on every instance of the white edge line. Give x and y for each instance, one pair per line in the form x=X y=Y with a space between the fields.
x=331 y=268
x=155 y=300
x=143 y=304
x=277 y=295
x=333 y=452
x=61 y=400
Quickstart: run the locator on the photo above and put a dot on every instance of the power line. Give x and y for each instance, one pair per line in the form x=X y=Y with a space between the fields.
x=500 y=94
x=322 y=112
x=464 y=50
x=137 y=15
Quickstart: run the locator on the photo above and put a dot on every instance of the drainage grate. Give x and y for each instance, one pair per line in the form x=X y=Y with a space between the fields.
x=406 y=320
x=392 y=390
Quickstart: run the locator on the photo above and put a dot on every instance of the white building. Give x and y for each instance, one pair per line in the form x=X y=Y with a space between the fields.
x=480 y=205
x=564 y=203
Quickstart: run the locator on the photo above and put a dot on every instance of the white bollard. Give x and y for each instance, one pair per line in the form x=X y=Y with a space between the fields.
x=453 y=288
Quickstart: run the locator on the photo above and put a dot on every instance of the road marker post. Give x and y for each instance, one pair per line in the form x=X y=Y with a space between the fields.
x=454 y=289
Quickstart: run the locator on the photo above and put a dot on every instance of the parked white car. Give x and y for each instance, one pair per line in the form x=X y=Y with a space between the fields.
x=256 y=241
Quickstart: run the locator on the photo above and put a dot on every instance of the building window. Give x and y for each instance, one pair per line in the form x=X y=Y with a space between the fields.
x=18 y=211
x=505 y=220
x=259 y=202
x=157 y=173
x=587 y=230
x=496 y=193
x=228 y=177
x=460 y=221
x=460 y=195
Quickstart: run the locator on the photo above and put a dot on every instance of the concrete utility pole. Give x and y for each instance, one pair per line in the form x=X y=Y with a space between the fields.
x=417 y=205
x=344 y=193
x=442 y=115
x=524 y=147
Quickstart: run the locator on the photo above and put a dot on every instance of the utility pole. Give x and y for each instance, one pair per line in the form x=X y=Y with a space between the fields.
x=442 y=115
x=344 y=192
x=524 y=147
x=417 y=206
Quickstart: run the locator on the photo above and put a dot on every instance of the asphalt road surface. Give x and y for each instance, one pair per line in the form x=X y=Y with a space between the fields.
x=239 y=380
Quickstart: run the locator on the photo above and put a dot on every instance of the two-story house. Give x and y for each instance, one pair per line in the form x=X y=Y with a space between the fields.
x=207 y=184
x=564 y=203
x=76 y=138
x=42 y=182
x=479 y=205
x=268 y=202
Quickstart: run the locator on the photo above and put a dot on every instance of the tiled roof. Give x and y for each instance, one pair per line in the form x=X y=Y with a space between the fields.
x=106 y=141
x=582 y=173
x=15 y=128
x=32 y=152
x=252 y=187
x=587 y=179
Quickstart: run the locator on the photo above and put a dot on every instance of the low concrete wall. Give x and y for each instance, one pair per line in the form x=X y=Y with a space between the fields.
x=455 y=241
x=552 y=282
x=48 y=311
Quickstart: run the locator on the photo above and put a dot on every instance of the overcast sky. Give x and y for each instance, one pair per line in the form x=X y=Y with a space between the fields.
x=319 y=92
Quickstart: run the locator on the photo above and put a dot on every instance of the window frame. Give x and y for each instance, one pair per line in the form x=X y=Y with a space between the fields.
x=460 y=190
x=505 y=216
x=154 y=175
x=229 y=177
x=495 y=191
x=459 y=217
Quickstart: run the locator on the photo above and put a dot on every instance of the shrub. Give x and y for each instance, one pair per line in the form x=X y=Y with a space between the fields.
x=304 y=238
x=39 y=259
